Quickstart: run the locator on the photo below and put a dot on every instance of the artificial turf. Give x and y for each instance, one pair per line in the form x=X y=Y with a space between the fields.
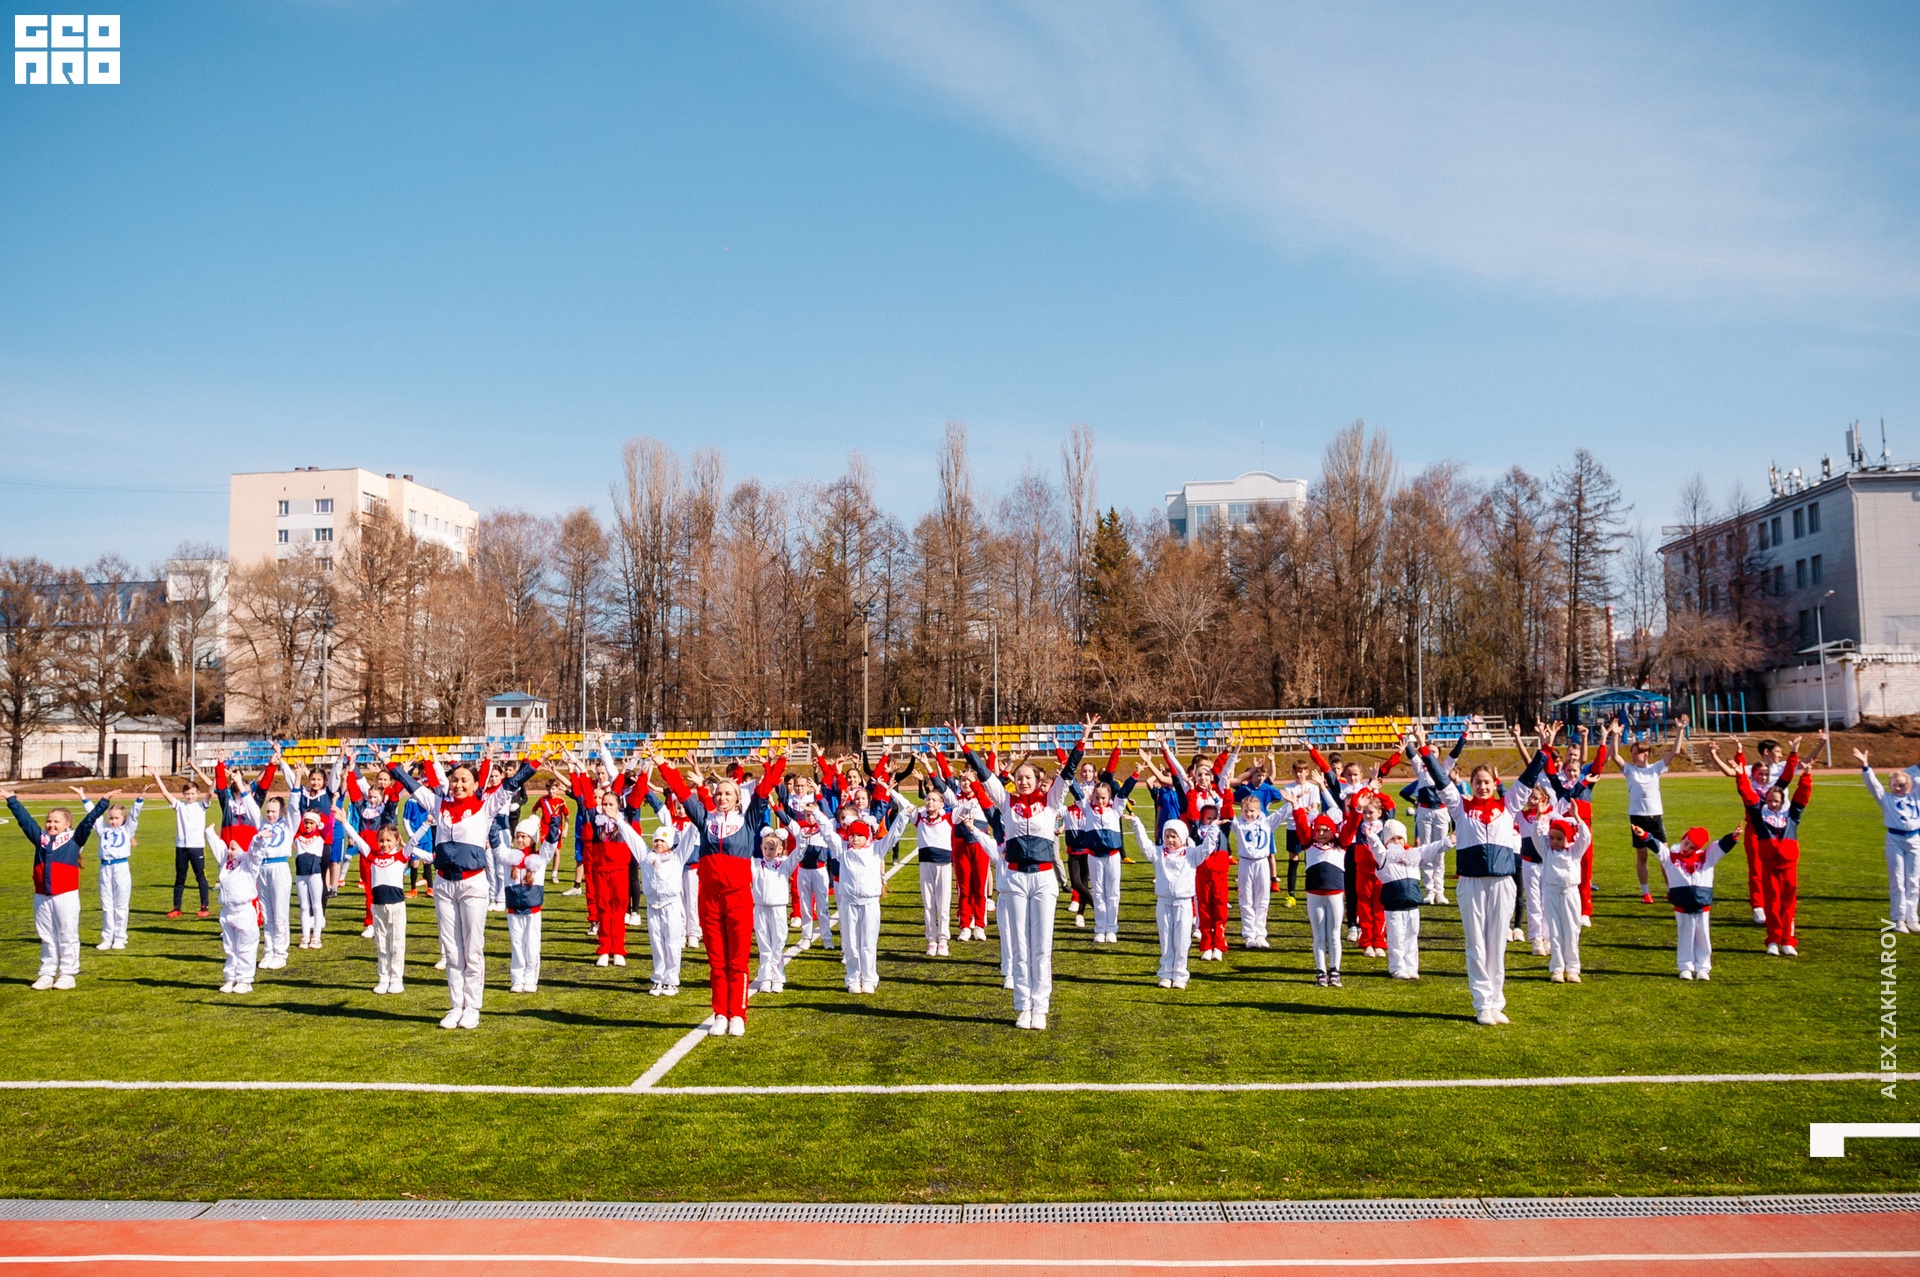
x=153 y=1011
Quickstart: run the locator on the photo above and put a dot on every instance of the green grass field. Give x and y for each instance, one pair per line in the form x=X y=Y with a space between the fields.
x=153 y=1012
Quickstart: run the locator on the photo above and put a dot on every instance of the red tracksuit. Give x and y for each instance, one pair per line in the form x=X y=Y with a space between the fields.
x=1777 y=838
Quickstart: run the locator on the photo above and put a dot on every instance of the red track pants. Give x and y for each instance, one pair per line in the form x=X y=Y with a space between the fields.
x=590 y=860
x=1756 y=872
x=1368 y=915
x=607 y=879
x=726 y=922
x=971 y=873
x=1210 y=900
x=1781 y=878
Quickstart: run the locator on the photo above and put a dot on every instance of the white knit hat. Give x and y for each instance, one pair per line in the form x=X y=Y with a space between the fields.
x=530 y=827
x=1393 y=831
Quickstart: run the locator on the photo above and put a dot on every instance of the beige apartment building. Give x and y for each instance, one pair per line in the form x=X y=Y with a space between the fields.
x=280 y=513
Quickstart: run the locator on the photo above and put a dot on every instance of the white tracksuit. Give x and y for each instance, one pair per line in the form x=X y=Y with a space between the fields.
x=239 y=904
x=862 y=878
x=771 y=904
x=813 y=884
x=1326 y=905
x=388 y=875
x=273 y=851
x=1173 y=887
x=1484 y=834
x=1690 y=892
x=1430 y=826
x=1560 y=892
x=1253 y=839
x=1399 y=863
x=1900 y=813
x=116 y=875
x=934 y=833
x=1028 y=897
x=312 y=887
x=662 y=876
x=523 y=925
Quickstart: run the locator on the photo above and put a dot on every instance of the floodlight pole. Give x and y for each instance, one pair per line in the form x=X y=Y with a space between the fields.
x=1820 y=637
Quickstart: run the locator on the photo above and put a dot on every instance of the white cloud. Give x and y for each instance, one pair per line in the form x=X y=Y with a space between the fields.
x=1597 y=155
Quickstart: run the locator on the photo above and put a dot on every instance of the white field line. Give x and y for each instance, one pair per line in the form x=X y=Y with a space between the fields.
x=684 y=1047
x=962 y=1261
x=982 y=1088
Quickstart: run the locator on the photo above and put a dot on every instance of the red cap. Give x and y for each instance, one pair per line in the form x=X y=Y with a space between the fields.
x=1697 y=838
x=1326 y=822
x=1567 y=830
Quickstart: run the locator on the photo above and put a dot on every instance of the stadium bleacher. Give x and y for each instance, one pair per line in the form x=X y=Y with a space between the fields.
x=1283 y=733
x=702 y=746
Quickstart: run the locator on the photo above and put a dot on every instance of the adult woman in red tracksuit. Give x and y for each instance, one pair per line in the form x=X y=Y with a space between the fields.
x=1211 y=892
x=729 y=840
x=1774 y=820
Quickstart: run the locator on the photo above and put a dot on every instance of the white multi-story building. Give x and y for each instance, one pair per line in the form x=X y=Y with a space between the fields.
x=1230 y=503
x=279 y=513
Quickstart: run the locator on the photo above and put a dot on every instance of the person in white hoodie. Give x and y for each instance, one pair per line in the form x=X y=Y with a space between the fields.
x=1174 y=861
x=773 y=870
x=663 y=877
x=1899 y=801
x=239 y=886
x=1689 y=867
x=1561 y=857
x=1404 y=887
x=1253 y=831
x=862 y=853
x=116 y=826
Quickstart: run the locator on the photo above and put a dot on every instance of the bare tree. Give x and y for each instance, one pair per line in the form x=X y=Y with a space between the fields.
x=579 y=572
x=106 y=607
x=1587 y=507
x=29 y=609
x=1083 y=512
x=511 y=558
x=646 y=540
x=273 y=656
x=196 y=591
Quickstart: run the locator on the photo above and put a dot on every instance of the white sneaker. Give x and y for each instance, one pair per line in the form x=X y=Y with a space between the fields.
x=1586 y=920
x=366 y=933
x=238 y=988
x=104 y=944
x=737 y=1026
x=653 y=991
x=1009 y=982
x=1485 y=1017
x=633 y=920
x=1079 y=919
x=989 y=904
x=516 y=988
x=1560 y=977
x=1074 y=905
x=603 y=960
x=1500 y=1017
x=470 y=1018
x=1759 y=915
x=1166 y=984
x=619 y=959
x=933 y=951
x=1790 y=951
x=396 y=987
x=1518 y=933
x=225 y=988
x=64 y=982
x=1686 y=975
x=1180 y=984
x=717 y=1026
x=1024 y=1020
x=1702 y=976
x=1773 y=950
x=383 y=986
x=440 y=965
x=46 y=982
x=451 y=1020
x=1901 y=927
x=1039 y=1019
x=1353 y=935
x=942 y=953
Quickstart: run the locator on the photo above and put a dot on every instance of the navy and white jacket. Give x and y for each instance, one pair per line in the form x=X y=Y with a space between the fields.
x=1397 y=865
x=461 y=826
x=56 y=857
x=729 y=833
x=1030 y=822
x=1690 y=878
x=1099 y=824
x=1484 y=828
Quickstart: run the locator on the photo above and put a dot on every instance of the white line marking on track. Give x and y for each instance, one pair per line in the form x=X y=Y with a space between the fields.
x=787 y=1261
x=684 y=1047
x=971 y=1088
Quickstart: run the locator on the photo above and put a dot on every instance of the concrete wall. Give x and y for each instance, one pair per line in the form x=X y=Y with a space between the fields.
x=161 y=750
x=1887 y=541
x=1875 y=685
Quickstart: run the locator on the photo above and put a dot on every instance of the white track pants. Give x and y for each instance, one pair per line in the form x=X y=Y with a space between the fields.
x=936 y=901
x=1026 y=909
x=666 y=937
x=690 y=906
x=57 y=920
x=390 y=941
x=1006 y=950
x=770 y=938
x=860 y=939
x=1324 y=915
x=1431 y=826
x=313 y=905
x=523 y=939
x=1563 y=925
x=1103 y=876
x=276 y=901
x=1533 y=880
x=1903 y=878
x=1403 y=942
x=116 y=894
x=239 y=941
x=460 y=909
x=1486 y=908
x=1696 y=941
x=1256 y=893
x=1174 y=918
x=815 y=907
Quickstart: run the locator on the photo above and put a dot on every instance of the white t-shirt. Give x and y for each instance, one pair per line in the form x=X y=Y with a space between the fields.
x=189 y=823
x=1643 y=788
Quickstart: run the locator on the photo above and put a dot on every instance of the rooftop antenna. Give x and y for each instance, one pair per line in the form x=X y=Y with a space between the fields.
x=1883 y=441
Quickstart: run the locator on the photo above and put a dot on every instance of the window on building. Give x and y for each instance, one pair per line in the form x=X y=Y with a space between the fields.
x=1799 y=574
x=1202 y=516
x=326 y=565
x=283 y=536
x=500 y=711
x=1814 y=565
x=1178 y=527
x=1813 y=516
x=1774 y=525
x=1686 y=561
x=323 y=506
x=1713 y=598
x=283 y=509
x=1760 y=534
x=370 y=504
x=1779 y=578
x=1239 y=513
x=323 y=534
x=1806 y=625
x=1799 y=524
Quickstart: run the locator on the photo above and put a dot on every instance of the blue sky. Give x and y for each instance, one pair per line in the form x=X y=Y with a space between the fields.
x=486 y=242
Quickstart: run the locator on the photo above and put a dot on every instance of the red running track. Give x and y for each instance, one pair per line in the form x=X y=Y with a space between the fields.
x=1685 y=1246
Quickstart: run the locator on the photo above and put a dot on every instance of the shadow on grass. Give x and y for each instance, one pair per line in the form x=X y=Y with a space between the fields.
x=870 y=1010
x=1346 y=1009
x=339 y=1011
x=574 y=1018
